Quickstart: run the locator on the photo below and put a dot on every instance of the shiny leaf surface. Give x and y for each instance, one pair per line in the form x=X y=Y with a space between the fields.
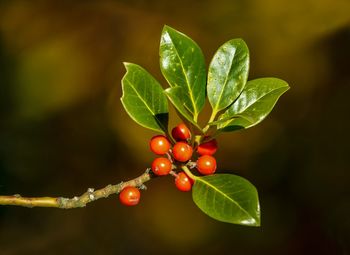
x=228 y=198
x=175 y=95
x=143 y=98
x=228 y=73
x=182 y=64
x=253 y=105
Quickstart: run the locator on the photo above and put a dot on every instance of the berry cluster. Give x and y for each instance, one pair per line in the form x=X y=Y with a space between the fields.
x=173 y=157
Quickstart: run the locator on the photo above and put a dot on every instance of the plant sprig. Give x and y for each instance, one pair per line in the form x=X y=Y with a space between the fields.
x=237 y=103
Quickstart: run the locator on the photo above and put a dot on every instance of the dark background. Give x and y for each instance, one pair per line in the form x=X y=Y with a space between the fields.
x=63 y=128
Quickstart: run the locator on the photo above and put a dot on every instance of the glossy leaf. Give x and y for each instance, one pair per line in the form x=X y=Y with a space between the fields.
x=143 y=98
x=175 y=95
x=253 y=105
x=182 y=64
x=228 y=198
x=228 y=73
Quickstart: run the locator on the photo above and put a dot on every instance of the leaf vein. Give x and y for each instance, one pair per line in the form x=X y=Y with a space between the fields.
x=187 y=82
x=147 y=106
x=225 y=195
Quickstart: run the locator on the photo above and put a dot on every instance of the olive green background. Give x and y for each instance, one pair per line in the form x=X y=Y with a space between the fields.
x=63 y=128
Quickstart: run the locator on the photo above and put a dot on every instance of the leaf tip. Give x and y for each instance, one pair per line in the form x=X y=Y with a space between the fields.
x=167 y=28
x=287 y=85
x=170 y=32
x=250 y=222
x=257 y=222
x=126 y=65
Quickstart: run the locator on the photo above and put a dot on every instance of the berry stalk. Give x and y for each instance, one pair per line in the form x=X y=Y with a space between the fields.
x=188 y=172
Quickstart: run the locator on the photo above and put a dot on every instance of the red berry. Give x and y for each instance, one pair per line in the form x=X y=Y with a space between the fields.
x=181 y=132
x=159 y=144
x=161 y=166
x=182 y=151
x=183 y=182
x=206 y=164
x=129 y=196
x=208 y=148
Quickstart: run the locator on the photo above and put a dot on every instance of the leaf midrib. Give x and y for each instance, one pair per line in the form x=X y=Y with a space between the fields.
x=140 y=96
x=225 y=83
x=235 y=117
x=242 y=111
x=219 y=191
x=169 y=94
x=187 y=82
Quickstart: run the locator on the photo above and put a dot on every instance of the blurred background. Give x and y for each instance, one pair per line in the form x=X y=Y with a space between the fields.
x=63 y=128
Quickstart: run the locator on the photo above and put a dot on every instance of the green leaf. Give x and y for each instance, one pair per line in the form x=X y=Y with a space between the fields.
x=182 y=64
x=228 y=198
x=228 y=73
x=253 y=105
x=143 y=98
x=175 y=95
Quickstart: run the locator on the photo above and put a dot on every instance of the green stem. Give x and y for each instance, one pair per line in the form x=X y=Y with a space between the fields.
x=211 y=119
x=212 y=116
x=189 y=173
x=195 y=118
x=198 y=140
